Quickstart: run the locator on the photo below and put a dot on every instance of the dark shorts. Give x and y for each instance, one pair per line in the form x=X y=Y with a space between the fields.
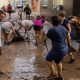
x=38 y=28
x=56 y=55
x=9 y=12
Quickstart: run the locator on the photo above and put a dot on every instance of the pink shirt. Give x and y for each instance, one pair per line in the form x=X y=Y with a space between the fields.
x=38 y=22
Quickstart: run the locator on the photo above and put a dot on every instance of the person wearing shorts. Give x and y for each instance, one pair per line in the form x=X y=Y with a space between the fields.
x=37 y=28
x=58 y=37
x=65 y=23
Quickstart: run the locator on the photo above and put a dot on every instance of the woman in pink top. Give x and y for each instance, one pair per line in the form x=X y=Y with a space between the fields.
x=38 y=29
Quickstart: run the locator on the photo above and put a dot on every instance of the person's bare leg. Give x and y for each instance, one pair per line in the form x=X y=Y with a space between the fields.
x=9 y=16
x=59 y=69
x=51 y=67
x=40 y=36
x=27 y=37
x=26 y=32
x=10 y=36
x=36 y=35
x=71 y=55
x=5 y=38
x=72 y=59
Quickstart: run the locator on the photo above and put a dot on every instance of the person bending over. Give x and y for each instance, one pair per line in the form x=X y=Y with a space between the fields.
x=27 y=25
x=8 y=32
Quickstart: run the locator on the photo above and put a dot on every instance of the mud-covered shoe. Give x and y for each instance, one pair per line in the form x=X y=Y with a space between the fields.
x=52 y=77
x=59 y=78
x=72 y=60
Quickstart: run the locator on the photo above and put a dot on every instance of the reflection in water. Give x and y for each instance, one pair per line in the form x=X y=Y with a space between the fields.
x=23 y=61
x=25 y=66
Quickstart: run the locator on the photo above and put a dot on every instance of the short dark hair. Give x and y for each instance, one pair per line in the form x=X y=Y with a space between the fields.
x=55 y=20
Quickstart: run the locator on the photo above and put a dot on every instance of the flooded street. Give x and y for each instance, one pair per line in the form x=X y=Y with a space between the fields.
x=25 y=61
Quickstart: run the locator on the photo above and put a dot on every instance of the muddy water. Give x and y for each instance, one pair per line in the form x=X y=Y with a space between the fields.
x=25 y=61
x=20 y=61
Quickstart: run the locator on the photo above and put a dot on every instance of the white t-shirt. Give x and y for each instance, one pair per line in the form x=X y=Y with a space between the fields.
x=7 y=25
x=27 y=23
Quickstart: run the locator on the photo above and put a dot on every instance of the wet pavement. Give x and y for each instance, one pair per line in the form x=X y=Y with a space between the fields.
x=25 y=61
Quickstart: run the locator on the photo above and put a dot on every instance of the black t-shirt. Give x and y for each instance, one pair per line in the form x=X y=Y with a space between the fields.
x=27 y=10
